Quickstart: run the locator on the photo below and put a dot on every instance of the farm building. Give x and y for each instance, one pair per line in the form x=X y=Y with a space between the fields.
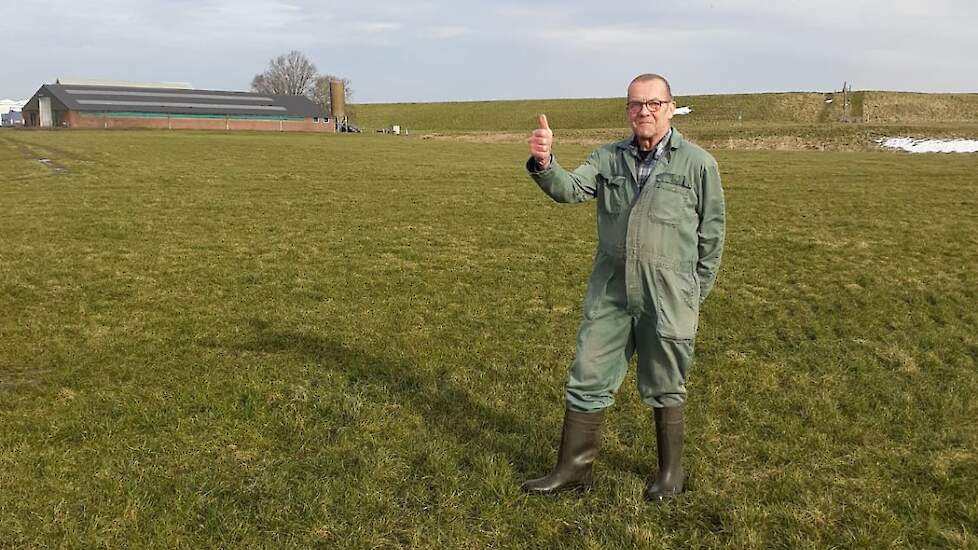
x=96 y=104
x=10 y=112
x=11 y=119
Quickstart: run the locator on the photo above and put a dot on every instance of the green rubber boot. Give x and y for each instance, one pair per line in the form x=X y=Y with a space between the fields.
x=579 y=442
x=670 y=480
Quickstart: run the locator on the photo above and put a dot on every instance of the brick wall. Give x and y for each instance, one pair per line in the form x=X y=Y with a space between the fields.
x=75 y=120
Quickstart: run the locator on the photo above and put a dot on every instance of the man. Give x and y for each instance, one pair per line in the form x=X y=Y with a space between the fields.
x=660 y=236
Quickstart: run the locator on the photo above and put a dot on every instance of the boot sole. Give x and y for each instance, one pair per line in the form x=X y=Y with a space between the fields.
x=663 y=497
x=578 y=488
x=660 y=499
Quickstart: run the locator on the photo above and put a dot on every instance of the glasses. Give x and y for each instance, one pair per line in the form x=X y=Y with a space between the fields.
x=654 y=105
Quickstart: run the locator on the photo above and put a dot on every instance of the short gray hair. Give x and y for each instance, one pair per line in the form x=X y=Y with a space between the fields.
x=652 y=76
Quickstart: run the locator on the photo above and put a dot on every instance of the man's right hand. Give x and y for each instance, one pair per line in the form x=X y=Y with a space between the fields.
x=540 y=141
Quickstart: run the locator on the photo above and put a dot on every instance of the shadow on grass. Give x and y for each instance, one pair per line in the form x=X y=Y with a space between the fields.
x=446 y=407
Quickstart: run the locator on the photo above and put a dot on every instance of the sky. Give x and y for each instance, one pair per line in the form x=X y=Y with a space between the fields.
x=440 y=50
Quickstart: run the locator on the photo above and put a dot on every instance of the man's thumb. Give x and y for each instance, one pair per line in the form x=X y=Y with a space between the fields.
x=543 y=123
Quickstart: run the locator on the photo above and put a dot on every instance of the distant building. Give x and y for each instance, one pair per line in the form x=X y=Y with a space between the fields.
x=12 y=118
x=93 y=104
x=10 y=112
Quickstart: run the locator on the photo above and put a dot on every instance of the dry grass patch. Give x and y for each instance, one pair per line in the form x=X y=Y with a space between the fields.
x=905 y=107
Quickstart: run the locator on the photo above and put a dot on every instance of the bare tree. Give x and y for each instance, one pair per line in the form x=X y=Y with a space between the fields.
x=289 y=74
x=294 y=74
x=319 y=92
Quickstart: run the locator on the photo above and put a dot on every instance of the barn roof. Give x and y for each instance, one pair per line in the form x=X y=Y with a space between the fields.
x=175 y=101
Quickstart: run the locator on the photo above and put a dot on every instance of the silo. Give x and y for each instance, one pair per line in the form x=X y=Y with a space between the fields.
x=337 y=99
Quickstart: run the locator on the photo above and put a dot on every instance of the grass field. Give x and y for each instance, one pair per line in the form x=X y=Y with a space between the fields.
x=359 y=341
x=880 y=109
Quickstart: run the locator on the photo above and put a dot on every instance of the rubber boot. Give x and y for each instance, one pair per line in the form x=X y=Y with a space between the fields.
x=579 y=442
x=670 y=479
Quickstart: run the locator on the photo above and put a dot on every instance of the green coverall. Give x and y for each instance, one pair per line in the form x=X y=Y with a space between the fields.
x=657 y=259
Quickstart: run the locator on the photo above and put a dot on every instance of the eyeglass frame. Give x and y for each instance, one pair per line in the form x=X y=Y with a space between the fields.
x=653 y=105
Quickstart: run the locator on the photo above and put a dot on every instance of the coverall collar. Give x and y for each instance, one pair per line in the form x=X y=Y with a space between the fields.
x=675 y=140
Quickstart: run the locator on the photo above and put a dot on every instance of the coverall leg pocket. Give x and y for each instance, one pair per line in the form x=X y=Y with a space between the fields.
x=676 y=304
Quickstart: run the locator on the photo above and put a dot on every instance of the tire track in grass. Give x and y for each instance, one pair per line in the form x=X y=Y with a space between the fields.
x=41 y=155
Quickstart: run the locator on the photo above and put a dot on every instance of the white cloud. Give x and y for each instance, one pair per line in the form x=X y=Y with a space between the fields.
x=257 y=15
x=7 y=105
x=628 y=40
x=380 y=27
x=531 y=50
x=449 y=31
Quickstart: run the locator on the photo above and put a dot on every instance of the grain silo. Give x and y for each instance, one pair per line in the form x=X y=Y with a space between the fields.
x=337 y=107
x=337 y=100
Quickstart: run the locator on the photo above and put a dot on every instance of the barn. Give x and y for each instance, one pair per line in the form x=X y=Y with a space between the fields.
x=101 y=104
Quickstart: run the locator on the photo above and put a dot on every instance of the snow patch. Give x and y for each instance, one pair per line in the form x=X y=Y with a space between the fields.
x=931 y=145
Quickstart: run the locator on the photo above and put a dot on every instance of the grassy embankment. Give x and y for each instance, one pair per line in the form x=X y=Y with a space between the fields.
x=274 y=340
x=786 y=121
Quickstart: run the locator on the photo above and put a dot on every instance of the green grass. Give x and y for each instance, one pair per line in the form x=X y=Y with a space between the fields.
x=791 y=108
x=273 y=340
x=740 y=136
x=577 y=114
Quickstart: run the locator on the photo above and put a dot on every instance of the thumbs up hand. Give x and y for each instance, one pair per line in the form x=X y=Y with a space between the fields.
x=540 y=142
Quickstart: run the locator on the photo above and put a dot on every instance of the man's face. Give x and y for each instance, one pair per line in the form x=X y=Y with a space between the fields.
x=645 y=123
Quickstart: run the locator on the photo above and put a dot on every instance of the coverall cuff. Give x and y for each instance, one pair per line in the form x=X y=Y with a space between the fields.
x=533 y=167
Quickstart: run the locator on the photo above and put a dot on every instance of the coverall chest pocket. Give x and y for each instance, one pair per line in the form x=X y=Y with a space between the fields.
x=672 y=199
x=615 y=194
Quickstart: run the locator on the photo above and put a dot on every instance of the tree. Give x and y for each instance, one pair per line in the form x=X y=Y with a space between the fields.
x=320 y=92
x=289 y=74
x=294 y=74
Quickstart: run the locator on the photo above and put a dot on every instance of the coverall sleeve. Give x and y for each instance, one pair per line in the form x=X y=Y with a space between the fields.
x=711 y=230
x=563 y=186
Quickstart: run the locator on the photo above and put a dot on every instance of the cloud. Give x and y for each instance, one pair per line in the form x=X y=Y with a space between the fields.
x=258 y=15
x=379 y=27
x=532 y=50
x=629 y=40
x=450 y=31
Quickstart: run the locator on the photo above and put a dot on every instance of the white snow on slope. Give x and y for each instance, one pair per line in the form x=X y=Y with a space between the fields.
x=931 y=145
x=7 y=105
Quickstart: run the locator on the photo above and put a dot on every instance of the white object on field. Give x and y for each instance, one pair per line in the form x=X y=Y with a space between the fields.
x=682 y=111
x=931 y=145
